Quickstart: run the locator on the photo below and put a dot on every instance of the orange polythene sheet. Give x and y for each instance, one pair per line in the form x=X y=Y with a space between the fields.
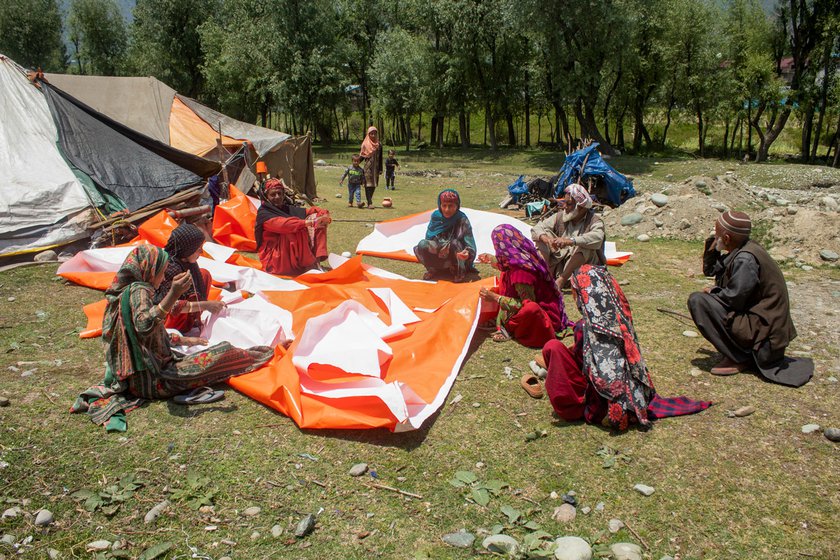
x=234 y=221
x=190 y=133
x=426 y=357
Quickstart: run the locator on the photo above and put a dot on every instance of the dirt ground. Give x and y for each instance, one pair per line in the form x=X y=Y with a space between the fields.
x=795 y=224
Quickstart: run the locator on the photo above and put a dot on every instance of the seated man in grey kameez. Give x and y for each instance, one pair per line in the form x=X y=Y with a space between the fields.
x=572 y=237
x=746 y=314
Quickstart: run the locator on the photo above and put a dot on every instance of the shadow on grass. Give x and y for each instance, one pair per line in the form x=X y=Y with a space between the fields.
x=407 y=441
x=707 y=360
x=195 y=410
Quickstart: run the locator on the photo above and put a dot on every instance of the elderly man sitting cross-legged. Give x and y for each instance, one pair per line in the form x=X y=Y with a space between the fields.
x=746 y=314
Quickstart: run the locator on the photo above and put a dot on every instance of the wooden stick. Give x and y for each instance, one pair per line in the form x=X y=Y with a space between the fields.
x=397 y=490
x=635 y=534
x=674 y=313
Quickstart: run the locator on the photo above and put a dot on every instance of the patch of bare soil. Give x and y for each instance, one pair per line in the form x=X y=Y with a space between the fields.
x=796 y=224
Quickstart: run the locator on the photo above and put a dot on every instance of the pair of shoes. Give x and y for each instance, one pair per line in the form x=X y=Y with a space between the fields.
x=532 y=386
x=729 y=367
x=540 y=372
x=202 y=395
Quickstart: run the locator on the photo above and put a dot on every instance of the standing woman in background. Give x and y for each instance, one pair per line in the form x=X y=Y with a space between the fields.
x=371 y=152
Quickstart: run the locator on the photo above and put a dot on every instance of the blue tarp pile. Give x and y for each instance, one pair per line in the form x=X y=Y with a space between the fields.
x=618 y=187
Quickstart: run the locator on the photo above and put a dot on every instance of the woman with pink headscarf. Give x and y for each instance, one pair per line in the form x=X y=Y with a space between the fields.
x=371 y=152
x=530 y=305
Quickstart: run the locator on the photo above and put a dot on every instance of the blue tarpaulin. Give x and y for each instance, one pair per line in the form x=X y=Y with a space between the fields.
x=619 y=188
x=518 y=188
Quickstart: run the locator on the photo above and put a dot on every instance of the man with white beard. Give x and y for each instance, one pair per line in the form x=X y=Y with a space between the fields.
x=746 y=314
x=571 y=237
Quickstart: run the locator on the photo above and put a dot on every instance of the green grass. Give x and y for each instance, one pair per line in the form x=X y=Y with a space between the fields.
x=751 y=487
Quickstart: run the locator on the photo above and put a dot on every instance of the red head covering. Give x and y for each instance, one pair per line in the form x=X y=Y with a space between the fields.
x=272 y=184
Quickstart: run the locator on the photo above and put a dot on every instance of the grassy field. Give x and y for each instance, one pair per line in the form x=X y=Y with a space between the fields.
x=753 y=487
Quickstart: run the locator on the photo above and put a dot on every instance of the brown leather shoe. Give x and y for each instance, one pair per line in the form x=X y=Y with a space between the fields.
x=729 y=367
x=540 y=360
x=531 y=385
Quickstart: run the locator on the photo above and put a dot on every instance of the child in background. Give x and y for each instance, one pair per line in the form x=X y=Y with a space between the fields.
x=390 y=163
x=355 y=179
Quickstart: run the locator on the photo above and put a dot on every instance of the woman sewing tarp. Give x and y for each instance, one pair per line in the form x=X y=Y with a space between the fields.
x=449 y=247
x=530 y=306
x=290 y=239
x=140 y=363
x=371 y=152
x=184 y=248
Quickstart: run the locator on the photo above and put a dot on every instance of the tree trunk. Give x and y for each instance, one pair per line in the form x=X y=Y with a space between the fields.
x=726 y=139
x=511 y=129
x=828 y=75
x=588 y=127
x=807 y=130
x=490 y=127
x=836 y=162
x=700 y=136
x=441 y=120
x=528 y=113
x=462 y=129
x=770 y=136
x=433 y=131
x=407 y=132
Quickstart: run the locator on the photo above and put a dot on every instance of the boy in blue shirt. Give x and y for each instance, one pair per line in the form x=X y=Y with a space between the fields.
x=355 y=179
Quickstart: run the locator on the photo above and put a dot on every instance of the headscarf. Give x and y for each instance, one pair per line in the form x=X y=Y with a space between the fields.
x=141 y=267
x=268 y=211
x=611 y=356
x=369 y=147
x=736 y=222
x=183 y=242
x=579 y=195
x=440 y=225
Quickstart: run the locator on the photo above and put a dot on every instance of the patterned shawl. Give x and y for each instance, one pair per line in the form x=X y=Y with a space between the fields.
x=611 y=356
x=442 y=226
x=141 y=267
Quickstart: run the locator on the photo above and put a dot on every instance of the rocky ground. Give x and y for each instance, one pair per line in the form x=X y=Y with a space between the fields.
x=799 y=225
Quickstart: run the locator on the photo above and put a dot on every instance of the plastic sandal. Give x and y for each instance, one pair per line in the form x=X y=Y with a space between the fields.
x=202 y=395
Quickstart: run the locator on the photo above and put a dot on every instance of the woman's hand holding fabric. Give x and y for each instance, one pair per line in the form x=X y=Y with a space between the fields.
x=488 y=295
x=194 y=341
x=213 y=306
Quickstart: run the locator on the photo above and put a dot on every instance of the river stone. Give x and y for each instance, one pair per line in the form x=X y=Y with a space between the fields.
x=572 y=548
x=644 y=489
x=792 y=210
x=305 y=526
x=691 y=334
x=828 y=255
x=833 y=434
x=807 y=267
x=501 y=544
x=718 y=206
x=4 y=401
x=810 y=428
x=830 y=202
x=599 y=506
x=252 y=511
x=626 y=551
x=615 y=525
x=11 y=512
x=459 y=539
x=43 y=518
x=744 y=411
x=358 y=469
x=8 y=538
x=53 y=554
x=782 y=202
x=643 y=237
x=667 y=557
x=320 y=162
x=632 y=218
x=658 y=223
x=685 y=224
x=46 y=256
x=276 y=531
x=98 y=546
x=564 y=514
x=659 y=199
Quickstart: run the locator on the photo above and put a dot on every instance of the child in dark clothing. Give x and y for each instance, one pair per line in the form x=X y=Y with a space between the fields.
x=390 y=163
x=355 y=179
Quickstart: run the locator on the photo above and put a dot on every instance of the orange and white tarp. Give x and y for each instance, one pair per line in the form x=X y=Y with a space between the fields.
x=371 y=349
x=396 y=239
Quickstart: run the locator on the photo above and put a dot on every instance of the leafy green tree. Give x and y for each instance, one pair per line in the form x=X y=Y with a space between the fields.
x=30 y=33
x=98 y=31
x=166 y=42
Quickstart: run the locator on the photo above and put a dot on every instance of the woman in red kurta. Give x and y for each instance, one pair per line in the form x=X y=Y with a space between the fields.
x=290 y=239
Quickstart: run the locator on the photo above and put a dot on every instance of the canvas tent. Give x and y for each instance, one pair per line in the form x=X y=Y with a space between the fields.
x=613 y=188
x=42 y=201
x=151 y=107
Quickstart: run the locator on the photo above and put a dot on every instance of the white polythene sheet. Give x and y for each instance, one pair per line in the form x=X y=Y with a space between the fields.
x=246 y=278
x=108 y=259
x=349 y=337
x=399 y=311
x=611 y=253
x=404 y=234
x=247 y=322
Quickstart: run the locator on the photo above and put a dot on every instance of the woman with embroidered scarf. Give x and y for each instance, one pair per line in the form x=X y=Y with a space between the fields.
x=371 y=152
x=449 y=247
x=184 y=248
x=290 y=239
x=140 y=363
x=531 y=309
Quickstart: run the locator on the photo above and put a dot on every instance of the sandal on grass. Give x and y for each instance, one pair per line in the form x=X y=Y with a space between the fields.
x=202 y=395
x=500 y=336
x=532 y=386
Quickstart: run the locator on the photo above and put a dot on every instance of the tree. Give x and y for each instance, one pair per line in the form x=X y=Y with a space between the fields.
x=30 y=33
x=166 y=42
x=98 y=32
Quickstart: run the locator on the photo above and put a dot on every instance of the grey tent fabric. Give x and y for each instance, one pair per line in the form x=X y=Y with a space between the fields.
x=264 y=140
x=142 y=104
x=132 y=166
